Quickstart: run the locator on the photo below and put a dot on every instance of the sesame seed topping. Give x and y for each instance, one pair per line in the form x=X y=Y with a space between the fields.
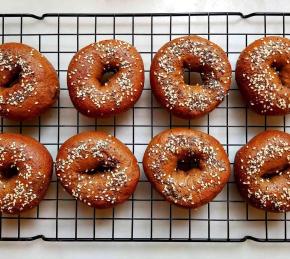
x=88 y=185
x=262 y=81
x=267 y=192
x=22 y=189
x=27 y=82
x=184 y=188
x=196 y=98
x=120 y=88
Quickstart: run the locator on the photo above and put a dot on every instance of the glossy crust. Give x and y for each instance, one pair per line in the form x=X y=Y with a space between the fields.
x=199 y=55
x=97 y=169
x=262 y=171
x=24 y=189
x=263 y=89
x=192 y=188
x=28 y=82
x=89 y=95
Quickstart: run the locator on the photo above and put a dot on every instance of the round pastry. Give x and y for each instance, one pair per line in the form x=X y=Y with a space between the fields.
x=197 y=55
x=25 y=172
x=97 y=169
x=263 y=75
x=95 y=98
x=28 y=82
x=189 y=168
x=262 y=171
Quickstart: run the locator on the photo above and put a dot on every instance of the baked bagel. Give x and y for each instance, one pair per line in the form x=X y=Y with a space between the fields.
x=198 y=55
x=262 y=171
x=89 y=94
x=25 y=172
x=28 y=82
x=263 y=75
x=189 y=168
x=97 y=169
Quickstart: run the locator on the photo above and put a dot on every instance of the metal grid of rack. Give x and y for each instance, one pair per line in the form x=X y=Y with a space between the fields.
x=146 y=216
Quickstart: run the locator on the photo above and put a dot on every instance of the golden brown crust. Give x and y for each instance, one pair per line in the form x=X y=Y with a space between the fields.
x=199 y=55
x=262 y=171
x=28 y=82
x=26 y=169
x=263 y=89
x=97 y=169
x=192 y=188
x=89 y=95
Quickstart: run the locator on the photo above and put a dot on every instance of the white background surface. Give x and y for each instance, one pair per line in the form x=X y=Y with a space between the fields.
x=42 y=249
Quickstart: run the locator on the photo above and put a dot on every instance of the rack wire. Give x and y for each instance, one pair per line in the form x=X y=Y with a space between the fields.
x=146 y=216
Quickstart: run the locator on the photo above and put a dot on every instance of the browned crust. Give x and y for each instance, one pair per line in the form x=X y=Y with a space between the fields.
x=122 y=90
x=207 y=180
x=39 y=73
x=273 y=194
x=95 y=189
x=254 y=65
x=168 y=86
x=27 y=185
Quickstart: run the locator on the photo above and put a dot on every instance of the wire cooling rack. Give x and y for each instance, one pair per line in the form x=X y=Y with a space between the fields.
x=146 y=216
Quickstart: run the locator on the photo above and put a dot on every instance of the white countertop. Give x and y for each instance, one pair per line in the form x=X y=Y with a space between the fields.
x=41 y=249
x=126 y=6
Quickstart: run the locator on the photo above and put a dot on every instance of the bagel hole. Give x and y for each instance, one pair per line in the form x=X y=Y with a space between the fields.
x=191 y=77
x=9 y=171
x=188 y=163
x=102 y=167
x=108 y=73
x=275 y=172
x=13 y=79
x=277 y=68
